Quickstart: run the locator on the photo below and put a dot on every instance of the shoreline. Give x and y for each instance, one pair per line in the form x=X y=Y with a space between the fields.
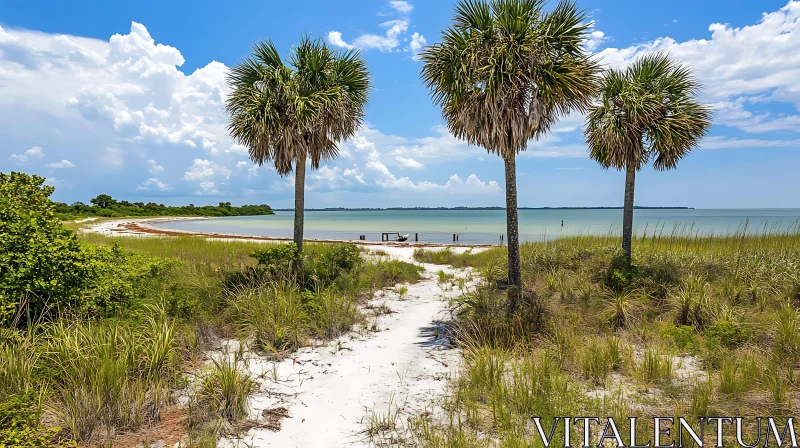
x=141 y=227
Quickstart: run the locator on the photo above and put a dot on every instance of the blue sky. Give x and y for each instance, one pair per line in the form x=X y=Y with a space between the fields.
x=127 y=99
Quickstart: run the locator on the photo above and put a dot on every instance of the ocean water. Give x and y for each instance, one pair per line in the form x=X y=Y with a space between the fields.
x=487 y=226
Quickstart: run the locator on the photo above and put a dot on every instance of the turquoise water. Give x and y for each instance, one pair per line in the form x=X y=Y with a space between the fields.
x=486 y=226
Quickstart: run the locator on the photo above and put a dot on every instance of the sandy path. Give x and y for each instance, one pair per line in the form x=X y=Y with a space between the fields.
x=331 y=391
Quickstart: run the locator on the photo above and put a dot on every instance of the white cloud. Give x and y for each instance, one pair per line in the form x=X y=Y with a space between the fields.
x=409 y=163
x=204 y=169
x=596 y=38
x=207 y=188
x=749 y=65
x=401 y=6
x=62 y=164
x=389 y=40
x=238 y=150
x=127 y=90
x=154 y=167
x=33 y=153
x=335 y=38
x=417 y=42
x=454 y=186
x=153 y=182
x=718 y=142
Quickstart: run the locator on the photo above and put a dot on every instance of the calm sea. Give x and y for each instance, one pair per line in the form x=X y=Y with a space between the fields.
x=486 y=226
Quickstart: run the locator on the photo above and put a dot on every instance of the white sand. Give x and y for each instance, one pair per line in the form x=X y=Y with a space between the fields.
x=332 y=391
x=117 y=227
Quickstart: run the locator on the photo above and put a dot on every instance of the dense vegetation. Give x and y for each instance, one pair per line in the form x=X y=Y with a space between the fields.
x=105 y=206
x=96 y=332
x=696 y=327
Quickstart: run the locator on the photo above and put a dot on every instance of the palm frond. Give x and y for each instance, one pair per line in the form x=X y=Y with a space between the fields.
x=288 y=112
x=647 y=112
x=506 y=70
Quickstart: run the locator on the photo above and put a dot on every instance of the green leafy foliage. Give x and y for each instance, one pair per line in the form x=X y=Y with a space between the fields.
x=42 y=264
x=20 y=426
x=105 y=206
x=320 y=266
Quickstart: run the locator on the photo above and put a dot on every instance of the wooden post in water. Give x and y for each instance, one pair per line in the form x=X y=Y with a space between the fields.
x=416 y=237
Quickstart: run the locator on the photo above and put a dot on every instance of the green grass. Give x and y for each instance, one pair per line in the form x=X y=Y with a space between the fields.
x=698 y=326
x=98 y=374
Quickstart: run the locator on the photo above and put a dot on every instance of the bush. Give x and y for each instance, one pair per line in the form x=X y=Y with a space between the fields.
x=41 y=263
x=20 y=426
x=727 y=334
x=321 y=265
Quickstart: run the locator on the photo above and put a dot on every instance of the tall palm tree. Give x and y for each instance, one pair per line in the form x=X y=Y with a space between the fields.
x=647 y=112
x=287 y=114
x=505 y=71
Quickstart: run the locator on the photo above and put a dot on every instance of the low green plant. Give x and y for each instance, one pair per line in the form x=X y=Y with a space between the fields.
x=655 y=365
x=20 y=425
x=701 y=396
x=225 y=387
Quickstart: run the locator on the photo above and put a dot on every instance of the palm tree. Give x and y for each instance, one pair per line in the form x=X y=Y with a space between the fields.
x=505 y=71
x=647 y=112
x=289 y=113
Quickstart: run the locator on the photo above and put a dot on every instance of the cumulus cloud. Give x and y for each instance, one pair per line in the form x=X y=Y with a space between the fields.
x=62 y=164
x=401 y=6
x=33 y=153
x=205 y=169
x=748 y=65
x=207 y=188
x=153 y=183
x=417 y=42
x=596 y=38
x=154 y=167
x=454 y=186
x=409 y=163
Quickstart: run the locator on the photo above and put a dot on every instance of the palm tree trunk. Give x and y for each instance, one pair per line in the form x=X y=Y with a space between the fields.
x=627 y=214
x=299 y=200
x=512 y=228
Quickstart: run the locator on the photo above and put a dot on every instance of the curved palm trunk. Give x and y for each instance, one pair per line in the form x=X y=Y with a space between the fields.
x=512 y=228
x=299 y=200
x=627 y=214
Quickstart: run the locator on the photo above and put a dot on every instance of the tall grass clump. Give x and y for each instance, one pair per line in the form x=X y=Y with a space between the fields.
x=225 y=386
x=109 y=375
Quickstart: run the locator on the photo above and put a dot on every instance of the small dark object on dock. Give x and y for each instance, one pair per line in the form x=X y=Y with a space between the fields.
x=397 y=237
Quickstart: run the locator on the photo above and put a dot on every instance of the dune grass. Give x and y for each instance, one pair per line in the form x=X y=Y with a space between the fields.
x=93 y=376
x=697 y=326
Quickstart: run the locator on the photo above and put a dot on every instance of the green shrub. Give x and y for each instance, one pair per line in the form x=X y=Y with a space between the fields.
x=42 y=264
x=117 y=277
x=20 y=425
x=277 y=261
x=682 y=337
x=726 y=334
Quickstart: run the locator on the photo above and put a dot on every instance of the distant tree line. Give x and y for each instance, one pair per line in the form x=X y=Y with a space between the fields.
x=105 y=206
